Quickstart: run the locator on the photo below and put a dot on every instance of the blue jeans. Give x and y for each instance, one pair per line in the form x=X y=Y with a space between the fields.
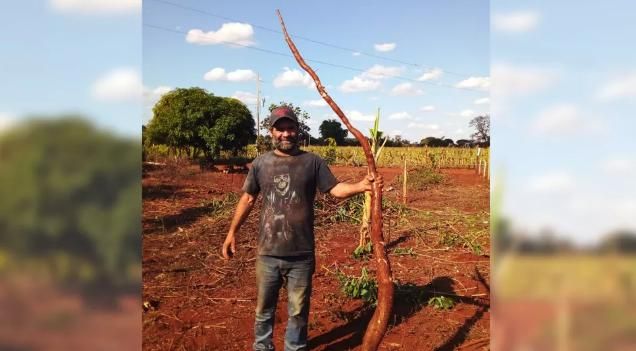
x=271 y=271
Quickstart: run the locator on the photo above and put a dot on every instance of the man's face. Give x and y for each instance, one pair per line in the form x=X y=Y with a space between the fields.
x=285 y=135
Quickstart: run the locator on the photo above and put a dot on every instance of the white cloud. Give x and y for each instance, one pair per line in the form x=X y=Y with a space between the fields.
x=239 y=75
x=246 y=97
x=118 y=85
x=358 y=84
x=359 y=116
x=482 y=83
x=217 y=73
x=625 y=210
x=619 y=166
x=482 y=101
x=427 y=108
x=518 y=81
x=558 y=120
x=429 y=126
x=385 y=47
x=395 y=132
x=6 y=120
x=467 y=113
x=381 y=72
x=153 y=95
x=406 y=89
x=316 y=103
x=432 y=74
x=552 y=182
x=99 y=7
x=293 y=77
x=515 y=22
x=622 y=87
x=356 y=54
x=229 y=33
x=400 y=116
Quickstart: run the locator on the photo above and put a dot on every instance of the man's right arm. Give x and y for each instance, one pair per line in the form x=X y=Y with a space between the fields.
x=243 y=209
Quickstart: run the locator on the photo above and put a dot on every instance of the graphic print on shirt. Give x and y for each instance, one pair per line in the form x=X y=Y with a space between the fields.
x=280 y=201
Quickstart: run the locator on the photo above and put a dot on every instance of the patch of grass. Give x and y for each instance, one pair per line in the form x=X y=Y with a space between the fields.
x=223 y=205
x=452 y=240
x=421 y=178
x=406 y=251
x=362 y=252
x=350 y=210
x=441 y=302
x=363 y=287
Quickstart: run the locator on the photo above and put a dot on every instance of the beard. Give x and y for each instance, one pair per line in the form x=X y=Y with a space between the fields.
x=285 y=145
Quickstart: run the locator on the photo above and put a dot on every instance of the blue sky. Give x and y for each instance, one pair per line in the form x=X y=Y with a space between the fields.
x=563 y=81
x=74 y=56
x=564 y=92
x=447 y=39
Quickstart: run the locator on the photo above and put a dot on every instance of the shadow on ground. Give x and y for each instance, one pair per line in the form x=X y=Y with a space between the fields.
x=409 y=299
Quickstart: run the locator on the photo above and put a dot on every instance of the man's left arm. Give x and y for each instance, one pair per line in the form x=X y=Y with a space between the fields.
x=344 y=190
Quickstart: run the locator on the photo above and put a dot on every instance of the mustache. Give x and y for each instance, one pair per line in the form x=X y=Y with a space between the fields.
x=290 y=139
x=285 y=143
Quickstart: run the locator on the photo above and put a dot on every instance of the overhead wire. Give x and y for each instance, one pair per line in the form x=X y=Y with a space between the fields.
x=268 y=51
x=319 y=42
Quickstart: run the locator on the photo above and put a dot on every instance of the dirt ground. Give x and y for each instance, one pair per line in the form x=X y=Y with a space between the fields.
x=36 y=315
x=198 y=301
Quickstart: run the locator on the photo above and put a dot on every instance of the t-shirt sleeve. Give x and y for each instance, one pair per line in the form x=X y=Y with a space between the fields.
x=251 y=185
x=325 y=179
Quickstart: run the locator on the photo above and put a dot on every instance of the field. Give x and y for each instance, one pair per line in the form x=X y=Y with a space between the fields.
x=443 y=157
x=439 y=248
x=568 y=301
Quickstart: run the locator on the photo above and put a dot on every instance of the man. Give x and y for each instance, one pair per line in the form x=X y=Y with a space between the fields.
x=287 y=177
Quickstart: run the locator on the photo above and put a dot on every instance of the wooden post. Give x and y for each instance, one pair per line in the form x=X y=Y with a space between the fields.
x=404 y=182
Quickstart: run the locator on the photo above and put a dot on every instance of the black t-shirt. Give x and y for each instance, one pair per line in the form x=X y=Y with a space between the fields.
x=288 y=187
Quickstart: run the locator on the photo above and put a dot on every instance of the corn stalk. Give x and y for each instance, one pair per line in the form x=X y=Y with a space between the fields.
x=380 y=320
x=366 y=212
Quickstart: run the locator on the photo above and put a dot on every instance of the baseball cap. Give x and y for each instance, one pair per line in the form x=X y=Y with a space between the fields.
x=282 y=112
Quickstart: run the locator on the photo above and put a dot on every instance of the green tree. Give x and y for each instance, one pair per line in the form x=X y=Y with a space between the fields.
x=232 y=129
x=331 y=128
x=71 y=198
x=482 y=129
x=192 y=120
x=303 y=118
x=179 y=116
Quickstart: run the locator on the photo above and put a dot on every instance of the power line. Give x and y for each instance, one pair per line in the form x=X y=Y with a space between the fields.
x=319 y=42
x=317 y=61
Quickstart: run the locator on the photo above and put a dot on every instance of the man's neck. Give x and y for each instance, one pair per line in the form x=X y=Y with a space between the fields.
x=291 y=152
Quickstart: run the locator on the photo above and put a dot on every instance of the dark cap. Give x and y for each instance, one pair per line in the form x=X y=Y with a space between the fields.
x=282 y=112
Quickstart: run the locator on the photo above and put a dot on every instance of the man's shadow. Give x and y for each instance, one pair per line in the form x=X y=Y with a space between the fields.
x=408 y=300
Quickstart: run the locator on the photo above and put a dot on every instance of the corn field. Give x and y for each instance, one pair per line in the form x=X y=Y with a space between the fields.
x=436 y=157
x=416 y=156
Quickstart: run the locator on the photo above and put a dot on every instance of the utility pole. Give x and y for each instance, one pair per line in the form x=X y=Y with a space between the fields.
x=258 y=111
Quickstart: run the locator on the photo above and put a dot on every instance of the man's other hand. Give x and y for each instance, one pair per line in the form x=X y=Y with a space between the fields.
x=229 y=247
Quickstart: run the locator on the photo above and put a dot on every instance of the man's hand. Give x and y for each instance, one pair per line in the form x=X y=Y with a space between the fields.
x=229 y=247
x=367 y=183
x=243 y=209
x=344 y=190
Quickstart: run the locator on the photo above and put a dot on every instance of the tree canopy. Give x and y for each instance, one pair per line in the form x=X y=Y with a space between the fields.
x=482 y=129
x=192 y=120
x=437 y=142
x=71 y=197
x=331 y=128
